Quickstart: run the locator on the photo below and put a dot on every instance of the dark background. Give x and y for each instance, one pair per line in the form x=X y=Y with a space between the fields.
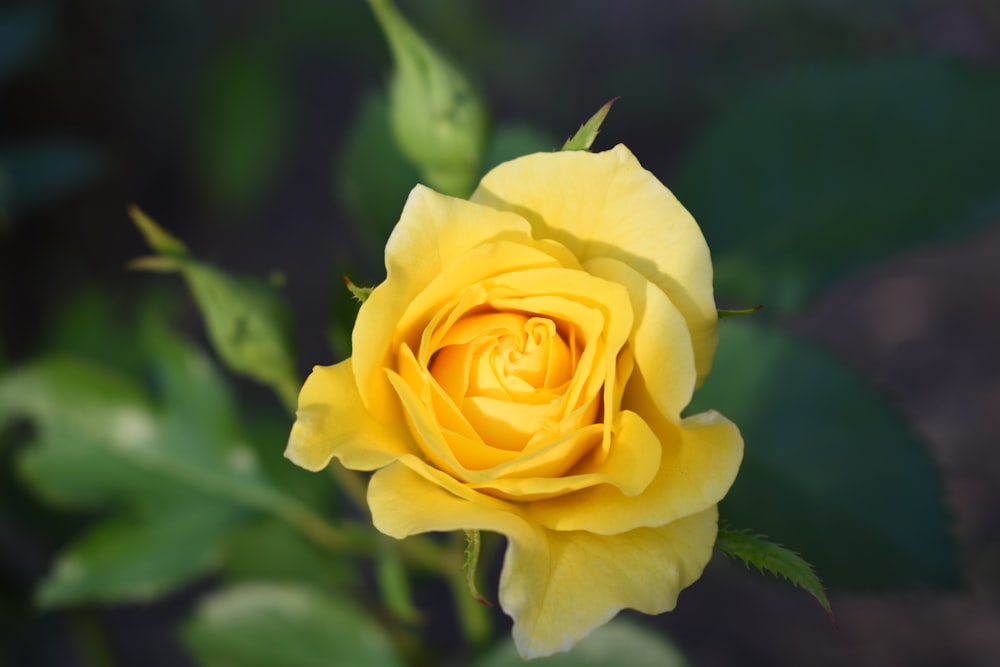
x=229 y=123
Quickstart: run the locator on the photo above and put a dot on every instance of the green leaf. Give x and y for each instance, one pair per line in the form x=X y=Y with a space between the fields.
x=91 y=327
x=585 y=136
x=138 y=560
x=165 y=458
x=247 y=322
x=620 y=643
x=770 y=557
x=271 y=550
x=158 y=238
x=89 y=419
x=248 y=325
x=393 y=581
x=263 y=625
x=244 y=125
x=837 y=165
x=102 y=445
x=828 y=466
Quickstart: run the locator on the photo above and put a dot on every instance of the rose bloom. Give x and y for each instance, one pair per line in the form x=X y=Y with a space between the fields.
x=523 y=369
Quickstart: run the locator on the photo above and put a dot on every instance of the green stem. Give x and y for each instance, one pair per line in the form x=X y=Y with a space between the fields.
x=356 y=540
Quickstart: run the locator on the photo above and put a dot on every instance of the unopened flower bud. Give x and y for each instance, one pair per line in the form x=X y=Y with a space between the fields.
x=439 y=120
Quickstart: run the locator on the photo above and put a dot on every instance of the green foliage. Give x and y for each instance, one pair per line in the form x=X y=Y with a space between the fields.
x=248 y=326
x=767 y=556
x=138 y=559
x=585 y=136
x=268 y=549
x=244 y=125
x=828 y=466
x=103 y=444
x=158 y=238
x=393 y=581
x=246 y=320
x=620 y=643
x=840 y=164
x=165 y=459
x=263 y=625
x=373 y=177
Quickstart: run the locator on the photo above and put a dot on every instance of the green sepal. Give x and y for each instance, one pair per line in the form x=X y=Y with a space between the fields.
x=158 y=238
x=247 y=321
x=584 y=137
x=361 y=294
x=766 y=556
x=473 y=544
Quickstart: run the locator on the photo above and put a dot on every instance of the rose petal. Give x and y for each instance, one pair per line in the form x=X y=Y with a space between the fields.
x=587 y=579
x=331 y=421
x=700 y=461
x=660 y=340
x=607 y=205
x=629 y=467
x=556 y=586
x=574 y=461
x=441 y=431
x=477 y=462
x=480 y=263
x=433 y=230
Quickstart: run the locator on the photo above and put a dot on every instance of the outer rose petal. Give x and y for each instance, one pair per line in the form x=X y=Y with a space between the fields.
x=557 y=586
x=432 y=231
x=607 y=205
x=554 y=607
x=331 y=421
x=700 y=461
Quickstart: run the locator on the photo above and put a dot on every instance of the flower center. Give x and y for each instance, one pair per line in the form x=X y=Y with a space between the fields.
x=489 y=360
x=503 y=355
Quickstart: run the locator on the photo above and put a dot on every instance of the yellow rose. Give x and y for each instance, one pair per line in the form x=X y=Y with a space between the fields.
x=522 y=370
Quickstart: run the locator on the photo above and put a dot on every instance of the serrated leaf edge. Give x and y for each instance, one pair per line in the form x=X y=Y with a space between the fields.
x=808 y=581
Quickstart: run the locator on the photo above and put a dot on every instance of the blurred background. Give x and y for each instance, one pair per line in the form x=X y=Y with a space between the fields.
x=843 y=158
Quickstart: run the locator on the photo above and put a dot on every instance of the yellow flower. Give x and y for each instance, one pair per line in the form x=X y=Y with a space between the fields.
x=522 y=370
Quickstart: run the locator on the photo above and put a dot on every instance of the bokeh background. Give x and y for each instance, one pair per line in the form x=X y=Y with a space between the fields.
x=842 y=157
